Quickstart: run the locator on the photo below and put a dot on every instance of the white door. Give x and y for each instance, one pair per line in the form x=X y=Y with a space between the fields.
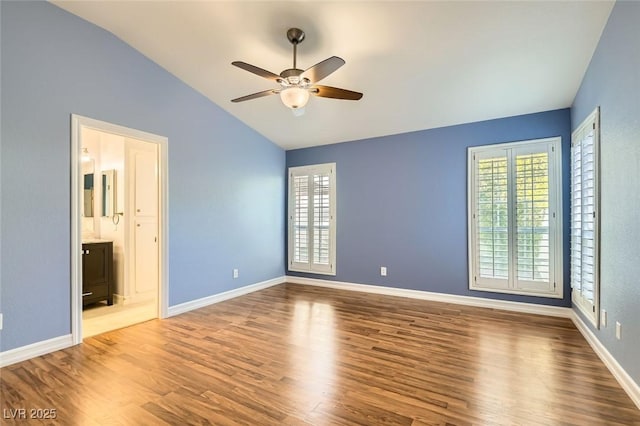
x=146 y=257
x=144 y=272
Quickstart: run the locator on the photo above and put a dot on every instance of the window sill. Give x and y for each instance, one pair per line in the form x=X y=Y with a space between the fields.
x=307 y=271
x=549 y=295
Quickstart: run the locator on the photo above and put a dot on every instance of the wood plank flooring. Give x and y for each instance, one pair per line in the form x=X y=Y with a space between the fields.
x=299 y=355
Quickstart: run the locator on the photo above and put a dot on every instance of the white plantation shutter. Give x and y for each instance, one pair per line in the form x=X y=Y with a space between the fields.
x=492 y=232
x=576 y=215
x=301 y=219
x=532 y=212
x=514 y=193
x=321 y=219
x=584 y=218
x=312 y=219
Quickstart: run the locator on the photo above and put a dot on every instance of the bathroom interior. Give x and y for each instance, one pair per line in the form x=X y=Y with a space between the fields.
x=120 y=223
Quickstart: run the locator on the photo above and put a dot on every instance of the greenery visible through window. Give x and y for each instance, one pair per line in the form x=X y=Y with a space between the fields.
x=532 y=215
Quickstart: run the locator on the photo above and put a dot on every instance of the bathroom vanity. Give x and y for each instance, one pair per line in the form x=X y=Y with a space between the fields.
x=97 y=271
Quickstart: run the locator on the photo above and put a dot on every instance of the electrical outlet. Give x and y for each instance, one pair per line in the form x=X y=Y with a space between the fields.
x=603 y=318
x=383 y=271
x=618 y=330
x=0 y=321
x=236 y=274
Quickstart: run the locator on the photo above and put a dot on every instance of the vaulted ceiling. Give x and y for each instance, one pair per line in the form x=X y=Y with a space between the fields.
x=420 y=64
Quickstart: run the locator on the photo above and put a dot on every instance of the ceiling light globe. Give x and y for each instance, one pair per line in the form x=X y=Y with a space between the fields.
x=294 y=97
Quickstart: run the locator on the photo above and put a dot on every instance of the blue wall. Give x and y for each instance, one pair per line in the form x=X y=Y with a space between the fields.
x=402 y=202
x=612 y=82
x=226 y=198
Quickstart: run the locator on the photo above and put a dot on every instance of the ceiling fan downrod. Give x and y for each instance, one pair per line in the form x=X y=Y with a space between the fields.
x=295 y=36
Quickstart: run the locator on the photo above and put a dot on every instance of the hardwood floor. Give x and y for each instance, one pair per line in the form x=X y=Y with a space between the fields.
x=298 y=355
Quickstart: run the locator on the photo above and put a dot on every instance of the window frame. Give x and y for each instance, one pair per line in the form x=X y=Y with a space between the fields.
x=511 y=285
x=590 y=310
x=310 y=266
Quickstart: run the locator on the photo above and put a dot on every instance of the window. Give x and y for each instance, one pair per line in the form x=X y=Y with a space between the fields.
x=312 y=224
x=585 y=288
x=515 y=235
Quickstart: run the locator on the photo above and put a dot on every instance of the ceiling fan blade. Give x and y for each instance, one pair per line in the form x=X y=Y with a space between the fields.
x=322 y=69
x=257 y=71
x=255 y=95
x=335 y=93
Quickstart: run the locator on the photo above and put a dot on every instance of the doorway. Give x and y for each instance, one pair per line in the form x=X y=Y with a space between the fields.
x=119 y=214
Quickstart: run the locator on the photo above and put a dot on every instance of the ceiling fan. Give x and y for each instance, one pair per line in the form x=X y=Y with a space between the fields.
x=295 y=84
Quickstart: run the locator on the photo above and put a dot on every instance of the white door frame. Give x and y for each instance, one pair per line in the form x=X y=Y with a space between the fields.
x=77 y=123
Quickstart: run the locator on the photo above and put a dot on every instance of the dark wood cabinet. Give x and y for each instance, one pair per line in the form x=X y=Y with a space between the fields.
x=97 y=272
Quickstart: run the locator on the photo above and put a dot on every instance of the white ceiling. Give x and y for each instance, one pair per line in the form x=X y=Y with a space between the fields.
x=419 y=64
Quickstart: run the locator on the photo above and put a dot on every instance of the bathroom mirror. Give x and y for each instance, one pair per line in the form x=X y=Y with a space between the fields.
x=108 y=192
x=88 y=189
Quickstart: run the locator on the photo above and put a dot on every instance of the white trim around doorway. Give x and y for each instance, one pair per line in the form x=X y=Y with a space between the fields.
x=77 y=123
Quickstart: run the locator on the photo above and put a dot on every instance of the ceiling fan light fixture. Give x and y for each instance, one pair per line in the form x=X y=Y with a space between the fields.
x=294 y=97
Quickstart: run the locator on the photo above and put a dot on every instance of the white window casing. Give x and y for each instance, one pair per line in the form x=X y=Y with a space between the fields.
x=585 y=217
x=312 y=219
x=515 y=218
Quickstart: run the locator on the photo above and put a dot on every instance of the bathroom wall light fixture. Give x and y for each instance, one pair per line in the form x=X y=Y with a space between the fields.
x=85 y=158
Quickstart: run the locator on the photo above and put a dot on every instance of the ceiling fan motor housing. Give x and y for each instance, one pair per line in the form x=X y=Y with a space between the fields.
x=291 y=77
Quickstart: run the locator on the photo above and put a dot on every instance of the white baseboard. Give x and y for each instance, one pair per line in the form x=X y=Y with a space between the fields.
x=33 y=350
x=119 y=299
x=216 y=298
x=627 y=383
x=480 y=302
x=139 y=297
